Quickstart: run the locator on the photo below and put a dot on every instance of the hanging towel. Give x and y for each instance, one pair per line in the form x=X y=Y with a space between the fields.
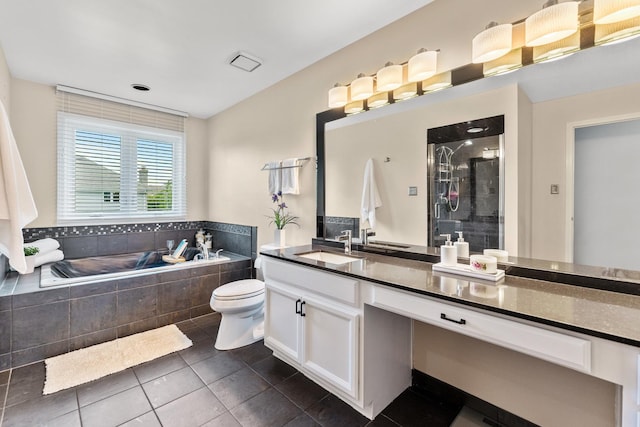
x=44 y=245
x=17 y=207
x=370 y=196
x=290 y=173
x=46 y=258
x=275 y=177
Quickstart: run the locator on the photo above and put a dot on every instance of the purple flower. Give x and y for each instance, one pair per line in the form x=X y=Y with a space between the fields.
x=274 y=198
x=279 y=193
x=282 y=205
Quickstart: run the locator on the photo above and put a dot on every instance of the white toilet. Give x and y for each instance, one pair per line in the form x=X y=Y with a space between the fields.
x=241 y=304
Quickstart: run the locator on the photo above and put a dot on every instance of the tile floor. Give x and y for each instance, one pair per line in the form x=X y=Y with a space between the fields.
x=201 y=386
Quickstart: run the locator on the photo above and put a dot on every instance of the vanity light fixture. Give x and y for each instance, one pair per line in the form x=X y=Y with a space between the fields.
x=354 y=107
x=361 y=87
x=378 y=100
x=406 y=91
x=495 y=41
x=610 y=11
x=338 y=96
x=422 y=65
x=503 y=65
x=389 y=77
x=554 y=22
x=437 y=82
x=556 y=50
x=617 y=32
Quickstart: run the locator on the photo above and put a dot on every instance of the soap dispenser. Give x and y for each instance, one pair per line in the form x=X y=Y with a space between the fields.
x=448 y=252
x=462 y=247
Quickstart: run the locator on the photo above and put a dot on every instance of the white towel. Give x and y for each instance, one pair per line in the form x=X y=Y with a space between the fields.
x=370 y=196
x=52 y=256
x=290 y=173
x=275 y=175
x=17 y=208
x=44 y=245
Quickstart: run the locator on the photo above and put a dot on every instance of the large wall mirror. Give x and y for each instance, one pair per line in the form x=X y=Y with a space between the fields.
x=394 y=137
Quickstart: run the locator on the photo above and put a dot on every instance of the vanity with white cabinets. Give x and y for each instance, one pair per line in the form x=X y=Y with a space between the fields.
x=348 y=326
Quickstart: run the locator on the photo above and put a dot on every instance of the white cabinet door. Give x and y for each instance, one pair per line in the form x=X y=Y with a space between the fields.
x=282 y=323
x=330 y=344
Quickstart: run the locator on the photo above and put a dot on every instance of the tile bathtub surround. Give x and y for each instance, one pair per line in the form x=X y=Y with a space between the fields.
x=39 y=323
x=201 y=386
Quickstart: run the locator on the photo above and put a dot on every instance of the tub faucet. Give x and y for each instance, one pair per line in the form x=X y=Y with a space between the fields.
x=346 y=238
x=203 y=250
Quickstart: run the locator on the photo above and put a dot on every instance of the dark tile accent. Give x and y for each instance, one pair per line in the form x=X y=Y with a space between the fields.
x=232 y=276
x=237 y=243
x=202 y=288
x=303 y=420
x=411 y=409
x=146 y=420
x=332 y=411
x=94 y=338
x=273 y=370
x=238 y=387
x=137 y=304
x=135 y=327
x=171 y=386
x=130 y=404
x=302 y=391
x=90 y=289
x=4 y=379
x=175 y=317
x=194 y=409
x=216 y=367
x=5 y=301
x=108 y=386
x=156 y=368
x=269 y=408
x=198 y=352
x=5 y=331
x=213 y=269
x=201 y=310
x=40 y=297
x=161 y=238
x=72 y=419
x=137 y=282
x=252 y=353
x=5 y=361
x=40 y=410
x=80 y=247
x=112 y=244
x=172 y=276
x=142 y=242
x=93 y=314
x=26 y=383
x=41 y=324
x=233 y=266
x=174 y=296
x=35 y=354
x=208 y=322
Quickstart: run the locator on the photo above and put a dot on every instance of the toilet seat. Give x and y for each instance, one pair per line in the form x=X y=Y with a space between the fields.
x=240 y=289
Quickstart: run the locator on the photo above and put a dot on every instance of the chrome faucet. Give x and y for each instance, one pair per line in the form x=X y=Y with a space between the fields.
x=203 y=250
x=365 y=233
x=346 y=238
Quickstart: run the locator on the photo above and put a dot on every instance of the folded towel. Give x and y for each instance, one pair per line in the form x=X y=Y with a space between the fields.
x=52 y=256
x=17 y=208
x=370 y=196
x=275 y=175
x=45 y=245
x=290 y=173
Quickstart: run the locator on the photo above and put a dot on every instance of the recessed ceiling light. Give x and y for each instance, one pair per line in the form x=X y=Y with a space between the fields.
x=141 y=88
x=245 y=62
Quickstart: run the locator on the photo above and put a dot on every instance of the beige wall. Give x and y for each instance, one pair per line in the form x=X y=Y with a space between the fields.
x=33 y=121
x=5 y=82
x=543 y=393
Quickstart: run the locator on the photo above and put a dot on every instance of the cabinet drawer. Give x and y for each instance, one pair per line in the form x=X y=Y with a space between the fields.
x=538 y=342
x=337 y=287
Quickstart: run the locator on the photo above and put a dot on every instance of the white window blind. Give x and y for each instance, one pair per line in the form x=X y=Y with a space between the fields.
x=118 y=162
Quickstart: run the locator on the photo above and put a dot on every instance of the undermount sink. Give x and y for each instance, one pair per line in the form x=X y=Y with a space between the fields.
x=328 y=257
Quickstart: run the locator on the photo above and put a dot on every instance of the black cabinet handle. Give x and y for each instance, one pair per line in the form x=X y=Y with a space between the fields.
x=459 y=322
x=302 y=313
x=298 y=310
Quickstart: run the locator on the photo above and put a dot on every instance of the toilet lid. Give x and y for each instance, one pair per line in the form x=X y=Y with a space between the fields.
x=240 y=289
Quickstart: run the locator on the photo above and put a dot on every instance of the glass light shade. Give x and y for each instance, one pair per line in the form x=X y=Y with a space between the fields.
x=361 y=87
x=389 y=77
x=437 y=82
x=422 y=65
x=618 y=31
x=557 y=50
x=406 y=91
x=354 y=107
x=338 y=96
x=492 y=43
x=505 y=64
x=378 y=100
x=610 y=11
x=551 y=24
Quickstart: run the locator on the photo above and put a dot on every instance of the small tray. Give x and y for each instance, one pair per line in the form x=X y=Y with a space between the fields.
x=465 y=270
x=172 y=260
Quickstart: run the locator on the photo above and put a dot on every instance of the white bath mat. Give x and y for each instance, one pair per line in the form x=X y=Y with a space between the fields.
x=88 y=364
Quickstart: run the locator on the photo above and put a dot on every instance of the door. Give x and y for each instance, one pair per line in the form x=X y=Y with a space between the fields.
x=282 y=322
x=330 y=344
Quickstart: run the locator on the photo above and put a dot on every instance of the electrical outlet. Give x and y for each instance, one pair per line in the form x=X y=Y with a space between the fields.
x=413 y=191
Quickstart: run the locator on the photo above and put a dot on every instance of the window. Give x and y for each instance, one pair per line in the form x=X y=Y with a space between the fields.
x=118 y=171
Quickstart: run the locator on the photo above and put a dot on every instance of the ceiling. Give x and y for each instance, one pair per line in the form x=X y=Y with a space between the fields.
x=181 y=49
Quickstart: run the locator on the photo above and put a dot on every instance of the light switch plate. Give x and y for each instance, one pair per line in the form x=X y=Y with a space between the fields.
x=555 y=189
x=413 y=191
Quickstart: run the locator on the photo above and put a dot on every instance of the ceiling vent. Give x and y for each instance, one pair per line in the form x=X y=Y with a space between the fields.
x=245 y=62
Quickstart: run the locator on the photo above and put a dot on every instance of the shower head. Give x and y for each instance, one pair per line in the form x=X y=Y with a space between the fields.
x=464 y=144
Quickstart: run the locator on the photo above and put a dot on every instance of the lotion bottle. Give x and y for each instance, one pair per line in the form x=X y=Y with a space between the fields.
x=462 y=247
x=448 y=253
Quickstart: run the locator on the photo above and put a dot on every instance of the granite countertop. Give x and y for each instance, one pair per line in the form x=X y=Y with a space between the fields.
x=601 y=313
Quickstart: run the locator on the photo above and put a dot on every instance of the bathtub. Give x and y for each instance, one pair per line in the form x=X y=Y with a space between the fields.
x=103 y=268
